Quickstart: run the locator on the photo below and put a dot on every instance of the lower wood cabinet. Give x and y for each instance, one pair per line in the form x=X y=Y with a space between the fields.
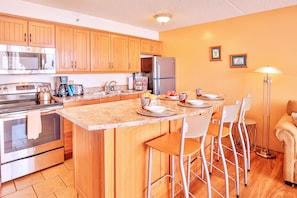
x=109 y=99
x=67 y=127
x=130 y=96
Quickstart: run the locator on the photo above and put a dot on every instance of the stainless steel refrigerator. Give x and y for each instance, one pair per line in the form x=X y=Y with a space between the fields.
x=161 y=73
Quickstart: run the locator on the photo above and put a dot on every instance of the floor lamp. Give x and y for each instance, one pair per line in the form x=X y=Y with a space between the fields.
x=267 y=70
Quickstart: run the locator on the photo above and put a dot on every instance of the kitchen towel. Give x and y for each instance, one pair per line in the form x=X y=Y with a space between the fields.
x=33 y=124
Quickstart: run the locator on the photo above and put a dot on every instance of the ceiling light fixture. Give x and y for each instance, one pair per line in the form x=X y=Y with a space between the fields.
x=163 y=18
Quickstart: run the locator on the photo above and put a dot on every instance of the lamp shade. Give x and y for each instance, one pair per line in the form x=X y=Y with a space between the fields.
x=163 y=18
x=268 y=70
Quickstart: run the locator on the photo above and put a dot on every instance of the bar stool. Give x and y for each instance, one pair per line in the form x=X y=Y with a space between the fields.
x=218 y=131
x=244 y=126
x=243 y=134
x=183 y=144
x=251 y=125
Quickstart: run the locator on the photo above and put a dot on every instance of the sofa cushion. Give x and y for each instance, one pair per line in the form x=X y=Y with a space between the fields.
x=294 y=117
x=291 y=107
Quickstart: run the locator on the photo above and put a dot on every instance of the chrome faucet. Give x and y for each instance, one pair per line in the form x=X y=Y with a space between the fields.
x=111 y=85
x=108 y=86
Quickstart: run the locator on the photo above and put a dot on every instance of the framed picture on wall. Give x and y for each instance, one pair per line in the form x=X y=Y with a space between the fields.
x=238 y=60
x=215 y=53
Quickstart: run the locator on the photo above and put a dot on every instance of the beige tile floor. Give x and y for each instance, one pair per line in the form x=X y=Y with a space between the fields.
x=54 y=182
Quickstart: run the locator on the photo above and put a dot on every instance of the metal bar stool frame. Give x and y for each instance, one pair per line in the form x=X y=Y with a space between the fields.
x=192 y=127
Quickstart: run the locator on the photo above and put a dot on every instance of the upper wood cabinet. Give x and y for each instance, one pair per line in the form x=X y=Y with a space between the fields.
x=109 y=52
x=119 y=53
x=134 y=55
x=41 y=34
x=72 y=49
x=151 y=47
x=100 y=51
x=16 y=31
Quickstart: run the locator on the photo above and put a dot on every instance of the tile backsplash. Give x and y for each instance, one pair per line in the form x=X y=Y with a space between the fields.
x=87 y=80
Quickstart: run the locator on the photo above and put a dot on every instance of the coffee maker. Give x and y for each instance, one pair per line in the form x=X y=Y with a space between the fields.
x=61 y=86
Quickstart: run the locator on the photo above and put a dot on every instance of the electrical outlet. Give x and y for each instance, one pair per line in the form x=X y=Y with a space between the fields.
x=70 y=82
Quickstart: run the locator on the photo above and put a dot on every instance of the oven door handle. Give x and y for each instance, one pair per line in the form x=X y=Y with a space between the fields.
x=18 y=115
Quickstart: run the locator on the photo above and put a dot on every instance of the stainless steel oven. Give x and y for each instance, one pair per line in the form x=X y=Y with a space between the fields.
x=21 y=155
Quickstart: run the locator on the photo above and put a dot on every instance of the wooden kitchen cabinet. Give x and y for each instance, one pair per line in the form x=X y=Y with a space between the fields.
x=41 y=34
x=17 y=31
x=151 y=47
x=100 y=51
x=134 y=55
x=72 y=49
x=109 y=52
x=119 y=53
x=129 y=96
x=109 y=99
x=67 y=127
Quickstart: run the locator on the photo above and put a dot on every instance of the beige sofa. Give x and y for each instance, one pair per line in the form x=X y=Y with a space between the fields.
x=286 y=131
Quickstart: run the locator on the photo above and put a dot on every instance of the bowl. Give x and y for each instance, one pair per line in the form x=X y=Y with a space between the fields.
x=210 y=96
x=156 y=108
x=196 y=102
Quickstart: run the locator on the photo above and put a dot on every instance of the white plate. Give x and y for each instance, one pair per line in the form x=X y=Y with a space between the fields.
x=156 y=108
x=212 y=96
x=195 y=102
x=172 y=97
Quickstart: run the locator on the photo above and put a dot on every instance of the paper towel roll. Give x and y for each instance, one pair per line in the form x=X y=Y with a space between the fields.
x=130 y=82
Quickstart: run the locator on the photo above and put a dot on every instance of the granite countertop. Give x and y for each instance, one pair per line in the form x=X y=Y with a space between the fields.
x=124 y=114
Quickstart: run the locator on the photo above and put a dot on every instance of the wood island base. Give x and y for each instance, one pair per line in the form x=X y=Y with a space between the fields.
x=113 y=162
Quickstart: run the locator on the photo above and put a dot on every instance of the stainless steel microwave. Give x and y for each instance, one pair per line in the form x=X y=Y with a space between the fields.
x=27 y=60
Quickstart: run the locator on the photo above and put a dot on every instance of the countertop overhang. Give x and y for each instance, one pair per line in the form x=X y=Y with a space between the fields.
x=122 y=114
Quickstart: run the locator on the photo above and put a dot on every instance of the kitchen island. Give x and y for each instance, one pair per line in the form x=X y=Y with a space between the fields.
x=110 y=157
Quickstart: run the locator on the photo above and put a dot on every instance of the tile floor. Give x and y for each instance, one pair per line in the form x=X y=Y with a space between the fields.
x=54 y=182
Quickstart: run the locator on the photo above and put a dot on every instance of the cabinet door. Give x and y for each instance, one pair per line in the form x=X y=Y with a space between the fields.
x=151 y=47
x=156 y=48
x=130 y=96
x=41 y=34
x=134 y=55
x=81 y=50
x=64 y=48
x=109 y=99
x=119 y=53
x=13 y=31
x=100 y=48
x=146 y=47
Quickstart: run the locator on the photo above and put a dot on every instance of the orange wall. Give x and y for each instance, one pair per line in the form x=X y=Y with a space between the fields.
x=267 y=38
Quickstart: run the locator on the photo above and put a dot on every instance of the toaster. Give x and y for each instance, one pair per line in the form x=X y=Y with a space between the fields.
x=77 y=89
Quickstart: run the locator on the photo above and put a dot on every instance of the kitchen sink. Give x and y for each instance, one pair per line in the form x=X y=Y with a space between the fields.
x=99 y=93
x=102 y=93
x=120 y=91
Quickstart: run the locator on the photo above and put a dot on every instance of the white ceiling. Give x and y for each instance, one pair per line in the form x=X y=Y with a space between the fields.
x=185 y=12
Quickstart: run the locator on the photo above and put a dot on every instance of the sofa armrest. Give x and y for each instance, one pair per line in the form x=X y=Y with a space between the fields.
x=286 y=125
x=286 y=131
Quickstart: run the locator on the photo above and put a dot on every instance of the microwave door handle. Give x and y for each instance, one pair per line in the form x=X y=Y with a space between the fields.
x=43 y=60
